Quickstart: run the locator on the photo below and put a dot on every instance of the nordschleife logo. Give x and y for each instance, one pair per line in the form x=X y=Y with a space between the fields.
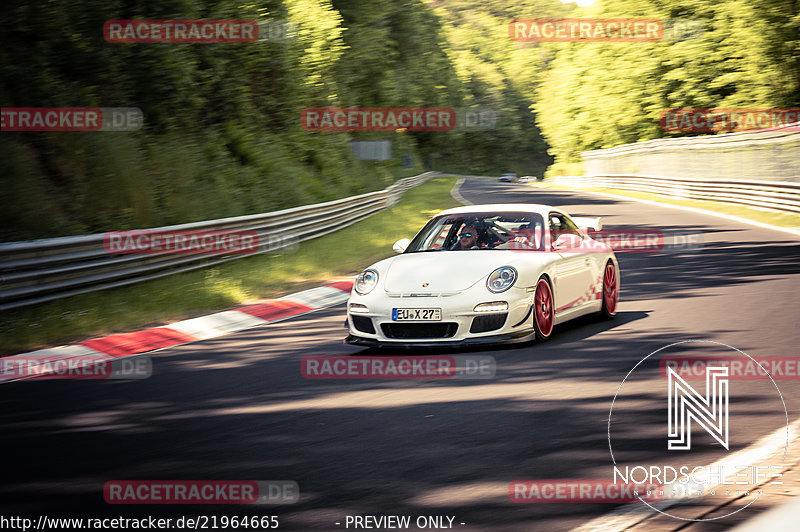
x=709 y=411
x=719 y=453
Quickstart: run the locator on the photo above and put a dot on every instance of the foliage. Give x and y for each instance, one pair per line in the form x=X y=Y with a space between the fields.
x=222 y=135
x=597 y=95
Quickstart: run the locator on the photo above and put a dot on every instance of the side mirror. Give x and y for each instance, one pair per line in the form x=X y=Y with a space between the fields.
x=401 y=245
x=567 y=241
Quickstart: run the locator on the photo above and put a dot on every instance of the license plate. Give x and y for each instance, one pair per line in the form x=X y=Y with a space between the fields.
x=416 y=314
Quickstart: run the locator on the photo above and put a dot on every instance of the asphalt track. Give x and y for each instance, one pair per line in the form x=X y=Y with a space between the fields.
x=237 y=407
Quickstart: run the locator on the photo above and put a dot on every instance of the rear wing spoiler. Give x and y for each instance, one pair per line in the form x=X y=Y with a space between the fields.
x=588 y=223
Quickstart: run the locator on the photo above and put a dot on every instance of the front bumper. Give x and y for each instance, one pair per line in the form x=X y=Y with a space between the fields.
x=458 y=318
x=511 y=338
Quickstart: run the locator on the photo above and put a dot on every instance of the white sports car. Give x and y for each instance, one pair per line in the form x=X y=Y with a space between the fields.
x=484 y=274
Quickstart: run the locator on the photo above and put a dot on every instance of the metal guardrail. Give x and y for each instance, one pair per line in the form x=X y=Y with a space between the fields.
x=753 y=168
x=43 y=270
x=784 y=197
x=763 y=155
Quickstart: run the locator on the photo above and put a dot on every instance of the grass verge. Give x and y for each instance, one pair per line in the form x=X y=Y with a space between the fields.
x=779 y=219
x=179 y=296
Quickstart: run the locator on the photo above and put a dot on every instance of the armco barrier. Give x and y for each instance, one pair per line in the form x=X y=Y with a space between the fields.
x=42 y=270
x=754 y=168
x=784 y=197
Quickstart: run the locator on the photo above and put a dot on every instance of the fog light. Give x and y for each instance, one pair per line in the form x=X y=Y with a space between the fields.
x=356 y=308
x=494 y=306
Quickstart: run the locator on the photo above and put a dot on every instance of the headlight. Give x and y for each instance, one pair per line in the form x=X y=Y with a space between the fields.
x=501 y=279
x=366 y=281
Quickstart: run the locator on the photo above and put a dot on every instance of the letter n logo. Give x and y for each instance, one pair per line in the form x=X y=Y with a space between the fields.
x=685 y=404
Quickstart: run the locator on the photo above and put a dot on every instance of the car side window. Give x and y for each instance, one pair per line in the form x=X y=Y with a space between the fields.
x=571 y=227
x=561 y=225
x=441 y=236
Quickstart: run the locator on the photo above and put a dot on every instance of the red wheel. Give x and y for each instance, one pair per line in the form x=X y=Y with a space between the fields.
x=610 y=291
x=544 y=312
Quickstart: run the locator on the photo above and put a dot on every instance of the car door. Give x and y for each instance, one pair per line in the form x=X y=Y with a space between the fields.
x=573 y=271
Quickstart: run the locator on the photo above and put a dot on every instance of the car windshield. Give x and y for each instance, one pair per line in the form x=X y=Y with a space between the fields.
x=486 y=230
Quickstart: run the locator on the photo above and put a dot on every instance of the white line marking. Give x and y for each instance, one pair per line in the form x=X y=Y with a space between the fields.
x=692 y=209
x=454 y=192
x=630 y=514
x=783 y=517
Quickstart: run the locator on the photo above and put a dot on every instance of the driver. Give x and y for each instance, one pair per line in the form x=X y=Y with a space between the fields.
x=467 y=238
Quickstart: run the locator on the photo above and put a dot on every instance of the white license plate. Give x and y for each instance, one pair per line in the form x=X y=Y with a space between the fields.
x=416 y=314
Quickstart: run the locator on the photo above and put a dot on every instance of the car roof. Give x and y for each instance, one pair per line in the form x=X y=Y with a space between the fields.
x=503 y=207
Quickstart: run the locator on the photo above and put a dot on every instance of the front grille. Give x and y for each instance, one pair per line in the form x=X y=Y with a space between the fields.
x=363 y=324
x=487 y=323
x=419 y=330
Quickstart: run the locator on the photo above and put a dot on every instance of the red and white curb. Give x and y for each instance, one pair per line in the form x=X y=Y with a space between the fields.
x=192 y=330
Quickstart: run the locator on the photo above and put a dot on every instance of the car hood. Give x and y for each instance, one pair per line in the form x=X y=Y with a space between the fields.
x=443 y=271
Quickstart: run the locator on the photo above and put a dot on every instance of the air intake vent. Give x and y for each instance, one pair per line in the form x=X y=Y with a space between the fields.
x=419 y=330
x=488 y=323
x=363 y=324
